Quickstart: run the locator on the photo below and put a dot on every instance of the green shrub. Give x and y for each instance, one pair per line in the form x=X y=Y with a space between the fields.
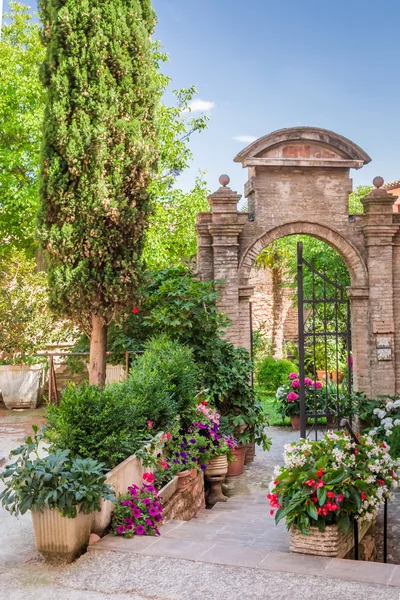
x=95 y=423
x=163 y=381
x=272 y=373
x=111 y=424
x=394 y=441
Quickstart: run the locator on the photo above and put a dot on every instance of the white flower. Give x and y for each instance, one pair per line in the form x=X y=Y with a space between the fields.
x=389 y=406
x=372 y=432
x=396 y=422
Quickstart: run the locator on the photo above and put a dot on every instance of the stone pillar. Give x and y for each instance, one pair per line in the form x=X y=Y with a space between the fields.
x=361 y=338
x=396 y=295
x=205 y=267
x=224 y=228
x=245 y=293
x=379 y=230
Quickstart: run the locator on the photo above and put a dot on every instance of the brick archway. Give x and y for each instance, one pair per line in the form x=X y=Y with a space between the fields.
x=299 y=183
x=350 y=255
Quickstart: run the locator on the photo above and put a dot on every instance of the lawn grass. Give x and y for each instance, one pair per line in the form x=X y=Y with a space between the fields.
x=268 y=399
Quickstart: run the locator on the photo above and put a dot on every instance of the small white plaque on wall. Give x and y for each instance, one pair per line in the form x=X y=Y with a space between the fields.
x=384 y=347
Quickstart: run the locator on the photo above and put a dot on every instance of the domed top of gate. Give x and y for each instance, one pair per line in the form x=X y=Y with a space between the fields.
x=303 y=147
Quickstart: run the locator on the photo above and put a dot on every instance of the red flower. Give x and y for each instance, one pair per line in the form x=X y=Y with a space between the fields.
x=340 y=498
x=381 y=482
x=320 y=484
x=363 y=496
x=314 y=499
x=271 y=512
x=150 y=424
x=310 y=482
x=168 y=435
x=204 y=402
x=320 y=472
x=356 y=451
x=330 y=494
x=135 y=311
x=149 y=477
x=164 y=464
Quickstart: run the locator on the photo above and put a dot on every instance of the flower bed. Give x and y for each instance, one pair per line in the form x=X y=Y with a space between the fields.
x=332 y=481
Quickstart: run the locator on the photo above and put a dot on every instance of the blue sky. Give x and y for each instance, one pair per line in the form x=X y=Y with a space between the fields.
x=261 y=65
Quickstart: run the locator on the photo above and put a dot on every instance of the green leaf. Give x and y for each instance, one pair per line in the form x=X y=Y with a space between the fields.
x=312 y=511
x=321 y=495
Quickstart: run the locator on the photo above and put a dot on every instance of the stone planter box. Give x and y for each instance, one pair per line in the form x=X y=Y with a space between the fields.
x=60 y=539
x=185 y=503
x=127 y=473
x=332 y=542
x=168 y=490
x=21 y=385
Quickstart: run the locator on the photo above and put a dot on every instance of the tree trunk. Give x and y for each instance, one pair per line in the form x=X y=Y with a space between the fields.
x=98 y=349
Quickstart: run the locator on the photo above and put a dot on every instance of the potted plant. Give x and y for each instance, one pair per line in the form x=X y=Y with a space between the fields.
x=139 y=512
x=325 y=484
x=288 y=397
x=26 y=326
x=61 y=492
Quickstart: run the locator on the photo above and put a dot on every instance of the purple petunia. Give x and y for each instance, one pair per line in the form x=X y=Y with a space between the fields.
x=140 y=530
x=153 y=512
x=149 y=522
x=146 y=501
x=157 y=518
x=121 y=529
x=125 y=503
x=203 y=467
x=192 y=441
x=136 y=513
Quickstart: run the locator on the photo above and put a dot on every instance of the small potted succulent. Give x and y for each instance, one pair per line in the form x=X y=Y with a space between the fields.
x=61 y=492
x=324 y=485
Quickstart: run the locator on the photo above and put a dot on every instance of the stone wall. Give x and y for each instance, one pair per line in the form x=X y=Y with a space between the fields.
x=185 y=504
x=274 y=315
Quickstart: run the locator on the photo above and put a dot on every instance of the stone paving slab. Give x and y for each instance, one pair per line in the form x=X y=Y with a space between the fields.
x=162 y=578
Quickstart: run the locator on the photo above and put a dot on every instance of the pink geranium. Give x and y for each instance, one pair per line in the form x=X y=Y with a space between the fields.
x=293 y=375
x=308 y=381
x=292 y=396
x=317 y=384
x=296 y=383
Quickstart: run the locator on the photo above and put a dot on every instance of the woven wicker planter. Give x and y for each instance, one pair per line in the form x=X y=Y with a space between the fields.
x=332 y=542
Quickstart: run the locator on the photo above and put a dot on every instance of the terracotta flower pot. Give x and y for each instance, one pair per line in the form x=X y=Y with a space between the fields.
x=193 y=473
x=217 y=466
x=295 y=420
x=236 y=468
x=337 y=376
x=184 y=479
x=322 y=375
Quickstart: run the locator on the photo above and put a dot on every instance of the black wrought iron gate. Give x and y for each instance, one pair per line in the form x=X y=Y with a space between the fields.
x=324 y=345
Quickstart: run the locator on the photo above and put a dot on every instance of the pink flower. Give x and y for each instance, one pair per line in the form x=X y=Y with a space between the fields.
x=149 y=477
x=295 y=383
x=292 y=396
x=317 y=384
x=164 y=464
x=150 y=424
x=135 y=311
x=168 y=435
x=308 y=381
x=293 y=375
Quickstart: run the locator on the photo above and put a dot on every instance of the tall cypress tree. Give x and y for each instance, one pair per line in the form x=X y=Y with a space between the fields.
x=98 y=155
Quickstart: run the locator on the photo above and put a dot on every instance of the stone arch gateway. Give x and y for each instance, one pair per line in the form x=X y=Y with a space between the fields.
x=299 y=183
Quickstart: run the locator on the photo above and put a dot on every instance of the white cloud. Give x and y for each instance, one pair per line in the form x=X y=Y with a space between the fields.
x=245 y=139
x=200 y=106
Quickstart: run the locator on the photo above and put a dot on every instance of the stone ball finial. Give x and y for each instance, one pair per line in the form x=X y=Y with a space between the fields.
x=224 y=180
x=378 y=182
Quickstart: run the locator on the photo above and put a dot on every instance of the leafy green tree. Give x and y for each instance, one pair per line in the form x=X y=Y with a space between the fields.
x=98 y=156
x=21 y=114
x=355 y=204
x=171 y=237
x=26 y=324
